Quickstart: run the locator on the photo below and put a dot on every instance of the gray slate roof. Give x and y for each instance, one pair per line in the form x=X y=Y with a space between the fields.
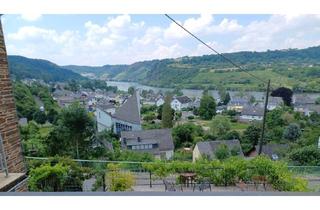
x=161 y=136
x=208 y=148
x=105 y=106
x=183 y=99
x=252 y=111
x=303 y=99
x=272 y=149
x=130 y=110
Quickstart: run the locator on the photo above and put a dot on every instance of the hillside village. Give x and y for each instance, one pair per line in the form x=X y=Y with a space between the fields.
x=120 y=112
x=62 y=132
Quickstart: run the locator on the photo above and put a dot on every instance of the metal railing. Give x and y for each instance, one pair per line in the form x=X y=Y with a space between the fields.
x=3 y=161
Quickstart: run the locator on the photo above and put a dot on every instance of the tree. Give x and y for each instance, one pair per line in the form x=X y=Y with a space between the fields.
x=252 y=100
x=73 y=85
x=308 y=155
x=74 y=132
x=207 y=107
x=284 y=93
x=167 y=116
x=252 y=134
x=227 y=99
x=222 y=152
x=292 y=132
x=52 y=115
x=131 y=90
x=318 y=100
x=40 y=117
x=220 y=125
x=185 y=134
x=222 y=93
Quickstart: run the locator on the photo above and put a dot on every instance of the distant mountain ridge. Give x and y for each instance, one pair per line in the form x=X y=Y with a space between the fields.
x=295 y=68
x=212 y=70
x=21 y=67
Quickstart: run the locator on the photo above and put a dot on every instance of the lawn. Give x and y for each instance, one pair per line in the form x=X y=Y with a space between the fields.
x=238 y=126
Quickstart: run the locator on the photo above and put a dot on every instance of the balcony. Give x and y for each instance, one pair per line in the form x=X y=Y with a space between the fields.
x=8 y=181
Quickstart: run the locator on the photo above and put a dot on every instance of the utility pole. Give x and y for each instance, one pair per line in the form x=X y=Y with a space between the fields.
x=264 y=118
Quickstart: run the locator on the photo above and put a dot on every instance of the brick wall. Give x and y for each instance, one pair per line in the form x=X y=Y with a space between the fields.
x=8 y=116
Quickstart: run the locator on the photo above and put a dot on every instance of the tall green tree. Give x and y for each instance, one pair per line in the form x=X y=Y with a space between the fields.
x=207 y=107
x=74 y=132
x=227 y=99
x=131 y=90
x=220 y=125
x=40 y=117
x=167 y=116
x=292 y=132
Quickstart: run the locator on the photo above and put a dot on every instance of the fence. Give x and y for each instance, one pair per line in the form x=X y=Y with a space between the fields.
x=183 y=180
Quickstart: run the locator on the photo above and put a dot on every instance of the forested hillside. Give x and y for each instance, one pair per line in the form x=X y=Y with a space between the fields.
x=22 y=67
x=298 y=69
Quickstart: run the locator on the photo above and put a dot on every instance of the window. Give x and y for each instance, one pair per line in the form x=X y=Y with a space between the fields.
x=134 y=147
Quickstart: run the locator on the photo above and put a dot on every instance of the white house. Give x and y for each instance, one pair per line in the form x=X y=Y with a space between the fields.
x=124 y=118
x=104 y=120
x=159 y=101
x=181 y=102
x=274 y=102
x=251 y=113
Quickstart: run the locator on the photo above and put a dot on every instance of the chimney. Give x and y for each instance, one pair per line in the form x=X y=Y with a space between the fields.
x=139 y=139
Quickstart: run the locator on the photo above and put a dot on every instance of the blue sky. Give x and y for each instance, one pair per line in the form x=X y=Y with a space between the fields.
x=123 y=39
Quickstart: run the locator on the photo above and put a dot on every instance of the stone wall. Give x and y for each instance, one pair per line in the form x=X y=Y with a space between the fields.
x=8 y=116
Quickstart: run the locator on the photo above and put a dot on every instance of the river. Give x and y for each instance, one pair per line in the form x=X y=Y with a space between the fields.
x=193 y=93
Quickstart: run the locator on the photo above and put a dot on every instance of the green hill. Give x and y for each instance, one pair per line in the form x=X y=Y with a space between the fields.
x=22 y=67
x=295 y=68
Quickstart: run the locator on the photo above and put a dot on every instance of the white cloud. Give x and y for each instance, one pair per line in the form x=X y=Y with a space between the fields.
x=31 y=16
x=122 y=40
x=278 y=32
x=194 y=25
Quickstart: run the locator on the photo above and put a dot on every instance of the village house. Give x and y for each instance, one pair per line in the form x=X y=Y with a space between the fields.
x=302 y=100
x=124 y=118
x=181 y=102
x=251 y=113
x=307 y=109
x=159 y=100
x=207 y=149
x=274 y=102
x=157 y=142
x=237 y=104
x=196 y=102
x=274 y=151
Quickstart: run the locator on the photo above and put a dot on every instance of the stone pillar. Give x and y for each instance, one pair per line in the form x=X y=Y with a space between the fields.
x=8 y=115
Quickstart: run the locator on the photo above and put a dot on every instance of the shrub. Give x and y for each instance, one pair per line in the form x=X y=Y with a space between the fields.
x=190 y=117
x=309 y=155
x=47 y=178
x=222 y=152
x=117 y=180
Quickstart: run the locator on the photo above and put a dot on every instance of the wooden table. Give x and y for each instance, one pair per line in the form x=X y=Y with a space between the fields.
x=187 y=178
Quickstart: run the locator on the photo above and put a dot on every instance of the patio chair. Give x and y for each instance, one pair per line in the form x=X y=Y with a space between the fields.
x=170 y=186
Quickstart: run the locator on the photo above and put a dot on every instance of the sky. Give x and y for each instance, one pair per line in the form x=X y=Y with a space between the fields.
x=97 y=40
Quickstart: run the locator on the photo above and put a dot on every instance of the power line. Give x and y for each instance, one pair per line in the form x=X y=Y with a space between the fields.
x=211 y=48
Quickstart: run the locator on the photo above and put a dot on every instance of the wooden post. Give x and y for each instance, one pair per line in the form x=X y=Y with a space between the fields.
x=150 y=179
x=264 y=118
